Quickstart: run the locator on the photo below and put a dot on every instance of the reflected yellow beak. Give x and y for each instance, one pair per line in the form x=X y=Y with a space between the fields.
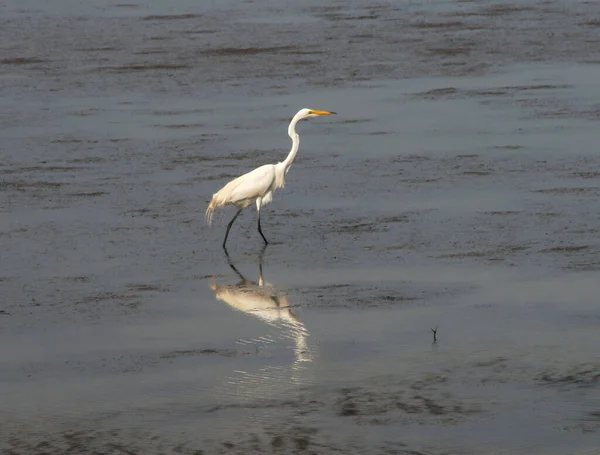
x=322 y=112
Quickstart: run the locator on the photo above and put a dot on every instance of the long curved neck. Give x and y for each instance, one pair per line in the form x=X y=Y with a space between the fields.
x=295 y=144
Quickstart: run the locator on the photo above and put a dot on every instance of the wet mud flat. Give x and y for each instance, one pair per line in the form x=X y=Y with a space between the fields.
x=457 y=188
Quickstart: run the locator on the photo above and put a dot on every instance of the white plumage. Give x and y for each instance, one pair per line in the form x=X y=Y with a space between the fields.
x=257 y=186
x=243 y=190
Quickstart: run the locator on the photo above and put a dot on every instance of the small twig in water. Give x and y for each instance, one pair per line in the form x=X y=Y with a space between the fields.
x=435 y=334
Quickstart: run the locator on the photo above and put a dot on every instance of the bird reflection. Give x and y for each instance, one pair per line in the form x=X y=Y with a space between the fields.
x=265 y=380
x=264 y=301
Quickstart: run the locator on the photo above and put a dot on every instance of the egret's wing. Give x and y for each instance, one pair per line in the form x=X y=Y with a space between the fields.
x=249 y=186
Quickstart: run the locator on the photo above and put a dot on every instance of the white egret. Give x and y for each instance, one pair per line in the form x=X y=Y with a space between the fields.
x=257 y=186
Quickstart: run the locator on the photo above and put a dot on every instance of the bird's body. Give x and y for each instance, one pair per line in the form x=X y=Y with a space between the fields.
x=257 y=186
x=244 y=190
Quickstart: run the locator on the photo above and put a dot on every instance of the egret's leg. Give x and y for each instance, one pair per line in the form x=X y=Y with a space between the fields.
x=260 y=231
x=258 y=205
x=229 y=227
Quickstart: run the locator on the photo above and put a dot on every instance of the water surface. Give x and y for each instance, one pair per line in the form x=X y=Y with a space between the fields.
x=456 y=188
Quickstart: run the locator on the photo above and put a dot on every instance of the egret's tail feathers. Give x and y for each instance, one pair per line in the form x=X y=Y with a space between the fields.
x=210 y=211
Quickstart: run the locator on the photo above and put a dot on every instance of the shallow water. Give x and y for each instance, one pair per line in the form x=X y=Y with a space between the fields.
x=456 y=188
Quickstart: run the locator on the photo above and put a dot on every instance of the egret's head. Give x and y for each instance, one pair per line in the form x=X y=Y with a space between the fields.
x=306 y=113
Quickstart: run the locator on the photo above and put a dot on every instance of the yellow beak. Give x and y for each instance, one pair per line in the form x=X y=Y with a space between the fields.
x=322 y=112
